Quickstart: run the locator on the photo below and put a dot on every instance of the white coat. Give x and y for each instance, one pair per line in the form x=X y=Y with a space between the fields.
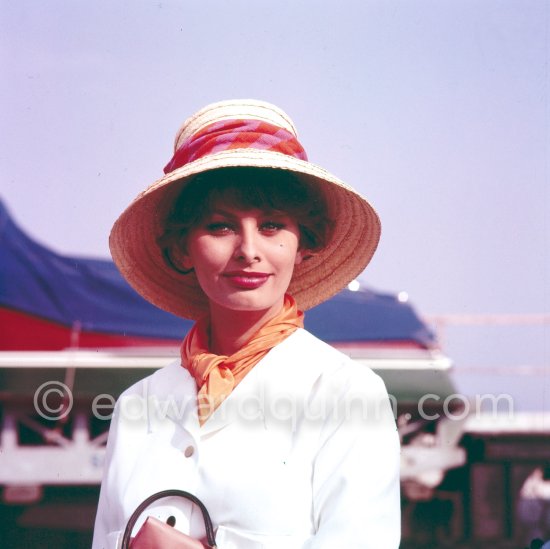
x=303 y=454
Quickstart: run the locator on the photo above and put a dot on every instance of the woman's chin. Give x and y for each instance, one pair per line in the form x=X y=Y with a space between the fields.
x=249 y=301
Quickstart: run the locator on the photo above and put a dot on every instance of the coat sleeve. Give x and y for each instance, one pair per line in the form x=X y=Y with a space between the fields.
x=356 y=499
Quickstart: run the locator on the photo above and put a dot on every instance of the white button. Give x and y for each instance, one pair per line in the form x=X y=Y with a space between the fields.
x=189 y=451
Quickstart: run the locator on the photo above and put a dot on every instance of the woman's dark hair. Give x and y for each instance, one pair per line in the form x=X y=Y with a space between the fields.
x=249 y=188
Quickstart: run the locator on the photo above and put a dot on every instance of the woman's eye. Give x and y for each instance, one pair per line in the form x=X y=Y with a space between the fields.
x=271 y=226
x=218 y=227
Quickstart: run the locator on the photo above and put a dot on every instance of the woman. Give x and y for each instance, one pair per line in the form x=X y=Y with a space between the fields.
x=287 y=441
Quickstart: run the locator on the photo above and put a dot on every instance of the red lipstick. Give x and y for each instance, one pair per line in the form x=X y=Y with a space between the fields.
x=246 y=280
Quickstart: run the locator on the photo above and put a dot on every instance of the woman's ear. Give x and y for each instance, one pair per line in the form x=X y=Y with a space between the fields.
x=184 y=259
x=301 y=255
x=178 y=259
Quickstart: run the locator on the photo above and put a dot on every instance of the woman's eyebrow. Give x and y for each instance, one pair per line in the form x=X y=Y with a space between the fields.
x=263 y=212
x=221 y=212
x=277 y=213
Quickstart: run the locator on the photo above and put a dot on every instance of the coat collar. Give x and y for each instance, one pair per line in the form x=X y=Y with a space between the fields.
x=285 y=371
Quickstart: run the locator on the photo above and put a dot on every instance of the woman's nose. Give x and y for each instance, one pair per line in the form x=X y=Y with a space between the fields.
x=247 y=248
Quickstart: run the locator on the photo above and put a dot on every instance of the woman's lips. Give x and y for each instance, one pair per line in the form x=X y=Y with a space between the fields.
x=245 y=280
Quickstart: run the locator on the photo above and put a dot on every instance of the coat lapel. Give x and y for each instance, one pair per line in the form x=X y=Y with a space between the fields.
x=273 y=390
x=173 y=395
x=278 y=380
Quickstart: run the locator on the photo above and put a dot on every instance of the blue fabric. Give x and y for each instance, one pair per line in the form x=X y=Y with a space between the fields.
x=66 y=290
x=367 y=316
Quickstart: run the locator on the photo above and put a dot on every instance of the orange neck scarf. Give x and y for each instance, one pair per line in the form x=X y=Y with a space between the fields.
x=218 y=375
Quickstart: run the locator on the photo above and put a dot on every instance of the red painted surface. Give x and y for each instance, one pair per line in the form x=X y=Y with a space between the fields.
x=22 y=332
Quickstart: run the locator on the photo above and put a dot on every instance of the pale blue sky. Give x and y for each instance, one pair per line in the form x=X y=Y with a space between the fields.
x=437 y=111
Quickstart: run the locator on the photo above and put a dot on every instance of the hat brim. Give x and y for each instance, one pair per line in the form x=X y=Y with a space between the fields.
x=134 y=236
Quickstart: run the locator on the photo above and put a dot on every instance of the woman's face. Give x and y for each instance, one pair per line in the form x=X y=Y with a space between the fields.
x=243 y=259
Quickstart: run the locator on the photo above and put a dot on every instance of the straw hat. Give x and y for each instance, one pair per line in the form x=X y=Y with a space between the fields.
x=240 y=133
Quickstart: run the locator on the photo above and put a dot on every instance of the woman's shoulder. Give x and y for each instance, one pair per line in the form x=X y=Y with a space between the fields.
x=166 y=380
x=307 y=352
x=324 y=378
x=302 y=341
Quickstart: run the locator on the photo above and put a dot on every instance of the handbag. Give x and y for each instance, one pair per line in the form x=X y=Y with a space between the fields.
x=155 y=534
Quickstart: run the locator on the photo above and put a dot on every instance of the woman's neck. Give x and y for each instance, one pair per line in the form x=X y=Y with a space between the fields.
x=231 y=330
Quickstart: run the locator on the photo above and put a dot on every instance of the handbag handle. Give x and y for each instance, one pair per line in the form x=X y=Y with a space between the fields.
x=164 y=494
